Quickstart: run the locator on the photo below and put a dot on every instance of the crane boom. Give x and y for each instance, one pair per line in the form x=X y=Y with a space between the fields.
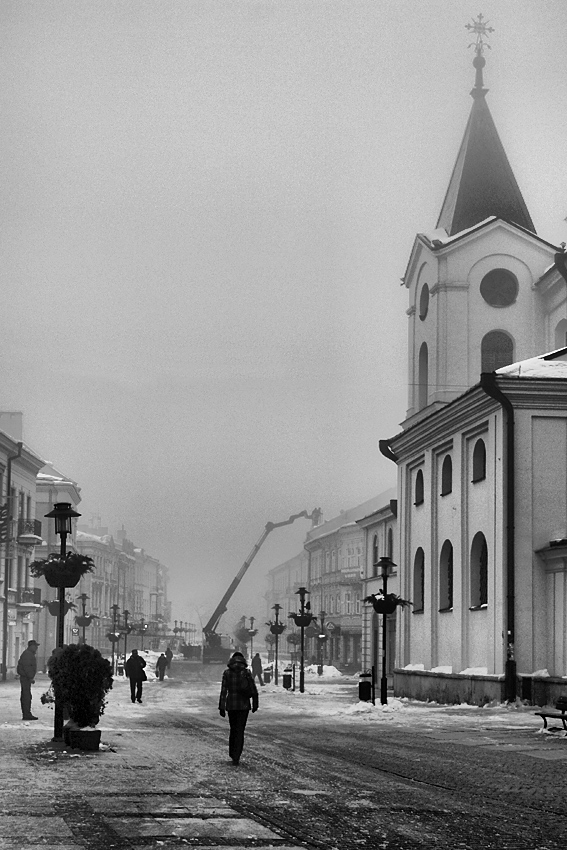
x=210 y=628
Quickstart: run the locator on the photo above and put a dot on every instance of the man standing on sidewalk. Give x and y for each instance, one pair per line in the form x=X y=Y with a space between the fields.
x=26 y=670
x=134 y=669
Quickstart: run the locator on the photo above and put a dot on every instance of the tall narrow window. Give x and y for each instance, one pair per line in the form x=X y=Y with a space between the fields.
x=479 y=571
x=423 y=377
x=496 y=350
x=447 y=476
x=375 y=555
x=390 y=544
x=479 y=461
x=424 y=302
x=419 y=487
x=446 y=577
x=418 y=581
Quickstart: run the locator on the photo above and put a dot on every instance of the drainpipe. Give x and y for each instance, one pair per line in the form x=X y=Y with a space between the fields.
x=8 y=559
x=488 y=384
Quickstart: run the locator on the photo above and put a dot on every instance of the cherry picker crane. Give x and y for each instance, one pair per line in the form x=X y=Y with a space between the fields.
x=212 y=647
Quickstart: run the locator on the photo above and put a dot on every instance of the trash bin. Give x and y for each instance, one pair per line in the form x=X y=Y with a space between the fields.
x=365 y=686
x=286 y=680
x=267 y=677
x=120 y=670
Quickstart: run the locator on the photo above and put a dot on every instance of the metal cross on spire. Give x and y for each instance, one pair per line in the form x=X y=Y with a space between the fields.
x=481 y=29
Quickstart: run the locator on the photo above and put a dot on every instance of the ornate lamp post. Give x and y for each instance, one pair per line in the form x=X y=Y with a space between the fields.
x=302 y=619
x=276 y=629
x=63 y=515
x=83 y=620
x=115 y=609
x=321 y=638
x=127 y=630
x=252 y=631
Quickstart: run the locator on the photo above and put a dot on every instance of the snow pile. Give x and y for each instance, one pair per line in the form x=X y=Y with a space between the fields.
x=329 y=672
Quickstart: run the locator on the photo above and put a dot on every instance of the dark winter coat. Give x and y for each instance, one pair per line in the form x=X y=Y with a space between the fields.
x=238 y=687
x=134 y=668
x=257 y=665
x=27 y=665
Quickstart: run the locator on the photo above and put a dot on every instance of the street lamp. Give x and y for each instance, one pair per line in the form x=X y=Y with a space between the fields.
x=115 y=609
x=386 y=564
x=83 y=620
x=252 y=631
x=276 y=629
x=302 y=619
x=321 y=638
x=127 y=630
x=63 y=514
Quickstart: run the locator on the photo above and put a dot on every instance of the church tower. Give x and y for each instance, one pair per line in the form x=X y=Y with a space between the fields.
x=471 y=281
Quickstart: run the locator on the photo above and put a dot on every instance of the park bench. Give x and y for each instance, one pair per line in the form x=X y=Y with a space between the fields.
x=559 y=714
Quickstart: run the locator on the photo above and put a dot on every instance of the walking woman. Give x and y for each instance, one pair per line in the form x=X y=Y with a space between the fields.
x=237 y=689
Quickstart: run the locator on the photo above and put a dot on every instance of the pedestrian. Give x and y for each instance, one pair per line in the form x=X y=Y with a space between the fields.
x=257 y=668
x=169 y=656
x=26 y=670
x=237 y=689
x=134 y=669
x=161 y=666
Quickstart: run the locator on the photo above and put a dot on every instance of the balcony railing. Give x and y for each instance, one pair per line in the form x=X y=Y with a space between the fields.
x=28 y=531
x=28 y=596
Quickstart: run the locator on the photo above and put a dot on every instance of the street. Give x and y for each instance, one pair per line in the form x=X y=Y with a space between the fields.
x=319 y=770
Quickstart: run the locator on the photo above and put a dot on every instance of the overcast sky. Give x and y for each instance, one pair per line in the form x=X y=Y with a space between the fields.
x=207 y=207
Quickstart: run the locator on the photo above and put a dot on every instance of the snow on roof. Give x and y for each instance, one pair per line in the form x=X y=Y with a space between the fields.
x=441 y=235
x=350 y=516
x=551 y=365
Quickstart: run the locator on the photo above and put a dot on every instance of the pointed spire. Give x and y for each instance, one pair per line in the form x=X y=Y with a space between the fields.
x=482 y=183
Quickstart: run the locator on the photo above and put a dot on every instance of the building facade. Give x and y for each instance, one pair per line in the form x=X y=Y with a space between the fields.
x=20 y=530
x=482 y=448
x=337 y=569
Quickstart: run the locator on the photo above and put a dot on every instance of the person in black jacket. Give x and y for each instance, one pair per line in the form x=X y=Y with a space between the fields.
x=237 y=689
x=134 y=669
x=26 y=670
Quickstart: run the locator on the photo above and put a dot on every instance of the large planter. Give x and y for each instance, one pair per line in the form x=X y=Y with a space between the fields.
x=63 y=576
x=303 y=620
x=82 y=739
x=84 y=621
x=53 y=607
x=62 y=570
x=385 y=606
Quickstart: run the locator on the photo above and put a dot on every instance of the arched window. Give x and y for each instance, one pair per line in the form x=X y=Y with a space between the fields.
x=561 y=334
x=499 y=288
x=479 y=461
x=424 y=302
x=418 y=581
x=446 y=577
x=390 y=544
x=496 y=350
x=479 y=571
x=419 y=487
x=423 y=374
x=447 y=476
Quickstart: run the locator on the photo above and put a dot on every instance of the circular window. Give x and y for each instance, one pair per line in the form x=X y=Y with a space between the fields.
x=424 y=302
x=499 y=288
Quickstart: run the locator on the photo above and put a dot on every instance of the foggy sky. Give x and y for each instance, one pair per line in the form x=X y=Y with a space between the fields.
x=207 y=210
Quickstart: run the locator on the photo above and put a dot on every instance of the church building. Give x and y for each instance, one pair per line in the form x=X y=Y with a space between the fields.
x=482 y=455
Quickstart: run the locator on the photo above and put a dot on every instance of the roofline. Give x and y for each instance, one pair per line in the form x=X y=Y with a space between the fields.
x=470 y=231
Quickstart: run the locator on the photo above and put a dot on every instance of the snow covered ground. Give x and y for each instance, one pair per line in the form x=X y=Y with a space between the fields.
x=331 y=695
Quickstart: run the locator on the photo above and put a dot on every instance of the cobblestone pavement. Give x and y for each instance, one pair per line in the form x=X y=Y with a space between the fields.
x=163 y=779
